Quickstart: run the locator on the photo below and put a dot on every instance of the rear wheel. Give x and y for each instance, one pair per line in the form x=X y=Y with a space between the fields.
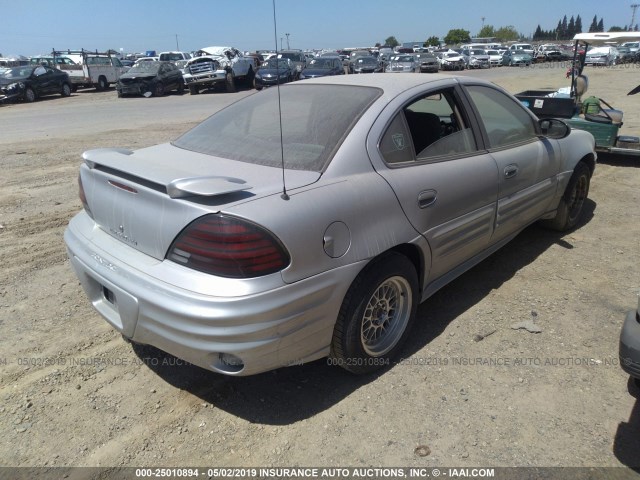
x=180 y=88
x=571 y=206
x=376 y=315
x=66 y=90
x=102 y=83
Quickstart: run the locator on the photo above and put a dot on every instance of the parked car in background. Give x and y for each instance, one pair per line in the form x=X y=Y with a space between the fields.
x=522 y=48
x=217 y=66
x=29 y=82
x=625 y=55
x=602 y=56
x=495 y=58
x=283 y=245
x=511 y=58
x=556 y=56
x=150 y=79
x=451 y=60
x=476 y=58
x=180 y=59
x=403 y=63
x=367 y=64
x=630 y=344
x=272 y=72
x=297 y=58
x=322 y=67
x=428 y=62
x=353 y=56
x=146 y=59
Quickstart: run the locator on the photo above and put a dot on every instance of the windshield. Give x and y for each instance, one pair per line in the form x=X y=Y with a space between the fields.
x=282 y=63
x=367 y=61
x=323 y=63
x=296 y=57
x=145 y=67
x=315 y=121
x=172 y=57
x=403 y=58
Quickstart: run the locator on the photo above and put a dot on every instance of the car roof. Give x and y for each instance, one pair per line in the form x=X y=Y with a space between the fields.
x=391 y=83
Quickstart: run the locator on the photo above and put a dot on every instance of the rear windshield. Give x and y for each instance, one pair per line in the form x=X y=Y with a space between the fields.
x=315 y=121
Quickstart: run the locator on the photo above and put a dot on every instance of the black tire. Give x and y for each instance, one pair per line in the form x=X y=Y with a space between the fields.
x=249 y=78
x=571 y=206
x=102 y=83
x=376 y=315
x=180 y=88
x=230 y=82
x=194 y=90
x=158 y=89
x=29 y=95
x=66 y=90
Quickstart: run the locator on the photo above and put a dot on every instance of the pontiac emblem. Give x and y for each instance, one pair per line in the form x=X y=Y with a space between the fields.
x=398 y=140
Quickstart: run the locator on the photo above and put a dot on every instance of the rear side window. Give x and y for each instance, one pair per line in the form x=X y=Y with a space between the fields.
x=315 y=121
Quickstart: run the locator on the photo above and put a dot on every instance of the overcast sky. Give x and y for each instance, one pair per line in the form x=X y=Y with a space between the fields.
x=31 y=27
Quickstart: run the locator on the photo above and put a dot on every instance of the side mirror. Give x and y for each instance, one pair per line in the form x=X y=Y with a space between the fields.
x=554 y=128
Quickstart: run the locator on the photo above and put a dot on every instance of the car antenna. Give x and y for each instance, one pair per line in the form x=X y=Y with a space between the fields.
x=284 y=195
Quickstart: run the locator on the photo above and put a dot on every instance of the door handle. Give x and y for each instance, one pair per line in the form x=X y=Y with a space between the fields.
x=427 y=198
x=510 y=171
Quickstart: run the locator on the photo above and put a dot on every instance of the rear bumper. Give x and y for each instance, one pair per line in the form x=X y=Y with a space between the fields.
x=630 y=344
x=286 y=324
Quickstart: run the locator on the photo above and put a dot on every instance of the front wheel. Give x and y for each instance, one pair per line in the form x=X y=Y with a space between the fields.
x=29 y=95
x=571 y=206
x=193 y=90
x=158 y=90
x=376 y=315
x=230 y=83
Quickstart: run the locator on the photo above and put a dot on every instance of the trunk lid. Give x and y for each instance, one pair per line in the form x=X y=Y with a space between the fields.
x=145 y=198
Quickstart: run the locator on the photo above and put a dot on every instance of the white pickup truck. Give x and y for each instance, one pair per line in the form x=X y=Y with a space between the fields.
x=93 y=69
x=215 y=66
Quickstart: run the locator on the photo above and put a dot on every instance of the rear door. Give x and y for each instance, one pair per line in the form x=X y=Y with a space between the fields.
x=446 y=185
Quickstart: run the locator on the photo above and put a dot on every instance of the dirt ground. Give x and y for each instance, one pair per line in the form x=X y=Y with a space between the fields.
x=73 y=393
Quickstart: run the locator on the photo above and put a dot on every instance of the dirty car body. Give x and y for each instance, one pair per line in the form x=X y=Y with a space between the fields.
x=196 y=248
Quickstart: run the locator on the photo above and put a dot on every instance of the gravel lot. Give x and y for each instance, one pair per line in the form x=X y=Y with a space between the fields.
x=73 y=393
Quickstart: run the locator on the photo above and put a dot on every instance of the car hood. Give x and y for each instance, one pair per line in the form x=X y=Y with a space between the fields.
x=272 y=71
x=9 y=81
x=317 y=72
x=144 y=198
x=138 y=75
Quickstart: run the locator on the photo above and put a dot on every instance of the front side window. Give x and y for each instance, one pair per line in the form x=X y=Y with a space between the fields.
x=506 y=122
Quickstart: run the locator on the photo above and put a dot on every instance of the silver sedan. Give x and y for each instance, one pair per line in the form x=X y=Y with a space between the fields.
x=249 y=244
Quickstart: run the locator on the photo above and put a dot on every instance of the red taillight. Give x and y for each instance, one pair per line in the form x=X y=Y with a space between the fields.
x=83 y=197
x=228 y=247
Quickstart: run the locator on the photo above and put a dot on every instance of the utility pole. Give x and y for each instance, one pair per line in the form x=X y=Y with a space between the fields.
x=177 y=46
x=280 y=43
x=288 y=47
x=482 y=18
x=634 y=7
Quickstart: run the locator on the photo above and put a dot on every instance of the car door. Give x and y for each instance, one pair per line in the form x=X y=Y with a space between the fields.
x=43 y=80
x=528 y=164
x=447 y=185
